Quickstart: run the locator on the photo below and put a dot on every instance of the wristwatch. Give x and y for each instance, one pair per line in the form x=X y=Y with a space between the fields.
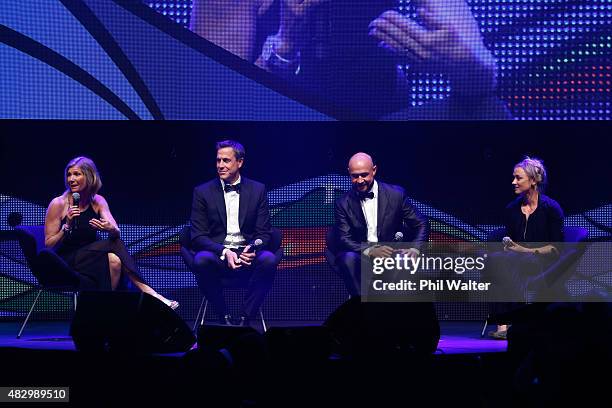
x=277 y=63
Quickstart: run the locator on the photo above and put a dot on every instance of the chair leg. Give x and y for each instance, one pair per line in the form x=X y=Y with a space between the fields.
x=195 y=321
x=484 y=328
x=203 y=305
x=29 y=313
x=263 y=322
x=74 y=300
x=204 y=312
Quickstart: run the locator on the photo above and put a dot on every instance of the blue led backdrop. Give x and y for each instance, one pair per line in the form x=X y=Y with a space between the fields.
x=553 y=56
x=481 y=59
x=456 y=174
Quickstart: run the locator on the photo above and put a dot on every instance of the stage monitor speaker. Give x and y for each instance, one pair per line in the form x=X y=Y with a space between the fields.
x=369 y=329
x=299 y=343
x=216 y=337
x=129 y=322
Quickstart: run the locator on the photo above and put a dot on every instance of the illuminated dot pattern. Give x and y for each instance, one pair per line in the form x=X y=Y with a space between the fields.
x=305 y=289
x=553 y=56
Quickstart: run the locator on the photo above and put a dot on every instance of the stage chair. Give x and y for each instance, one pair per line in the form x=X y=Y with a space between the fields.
x=50 y=271
x=236 y=281
x=331 y=249
x=537 y=283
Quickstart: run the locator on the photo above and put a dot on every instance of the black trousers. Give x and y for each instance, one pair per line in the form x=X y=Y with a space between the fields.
x=212 y=274
x=510 y=272
x=349 y=265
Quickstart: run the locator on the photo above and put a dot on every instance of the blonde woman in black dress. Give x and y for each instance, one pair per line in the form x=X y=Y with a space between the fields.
x=71 y=230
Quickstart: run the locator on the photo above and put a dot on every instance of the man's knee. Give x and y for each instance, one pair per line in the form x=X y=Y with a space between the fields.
x=205 y=260
x=265 y=260
x=349 y=260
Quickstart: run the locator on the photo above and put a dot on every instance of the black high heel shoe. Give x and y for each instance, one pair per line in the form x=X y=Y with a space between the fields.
x=226 y=320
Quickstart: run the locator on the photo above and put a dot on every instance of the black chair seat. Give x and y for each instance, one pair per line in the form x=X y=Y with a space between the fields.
x=50 y=271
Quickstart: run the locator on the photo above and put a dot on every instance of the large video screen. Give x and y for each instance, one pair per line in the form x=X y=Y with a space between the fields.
x=423 y=59
x=307 y=60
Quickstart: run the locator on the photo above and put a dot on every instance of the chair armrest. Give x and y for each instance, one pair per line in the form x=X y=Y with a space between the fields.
x=555 y=272
x=276 y=237
x=188 y=257
x=278 y=255
x=54 y=271
x=331 y=260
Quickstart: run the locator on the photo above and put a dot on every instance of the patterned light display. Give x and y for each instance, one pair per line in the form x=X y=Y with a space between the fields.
x=553 y=55
x=305 y=289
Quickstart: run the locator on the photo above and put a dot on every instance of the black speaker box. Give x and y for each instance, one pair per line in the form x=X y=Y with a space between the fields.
x=128 y=321
x=311 y=344
x=368 y=329
x=215 y=337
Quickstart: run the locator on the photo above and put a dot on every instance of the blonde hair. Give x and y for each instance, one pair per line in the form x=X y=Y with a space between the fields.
x=535 y=170
x=88 y=167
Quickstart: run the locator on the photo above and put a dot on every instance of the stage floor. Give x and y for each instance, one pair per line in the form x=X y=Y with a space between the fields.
x=456 y=338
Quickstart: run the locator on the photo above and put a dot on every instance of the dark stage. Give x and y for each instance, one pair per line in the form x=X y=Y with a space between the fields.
x=466 y=370
x=467 y=367
x=461 y=338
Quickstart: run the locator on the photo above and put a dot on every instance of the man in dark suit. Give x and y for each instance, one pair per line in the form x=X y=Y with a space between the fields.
x=369 y=213
x=228 y=216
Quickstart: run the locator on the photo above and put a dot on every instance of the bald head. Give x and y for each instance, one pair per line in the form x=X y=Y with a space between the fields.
x=360 y=159
x=362 y=170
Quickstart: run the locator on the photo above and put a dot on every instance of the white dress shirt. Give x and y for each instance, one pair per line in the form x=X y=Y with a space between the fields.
x=234 y=238
x=370 y=211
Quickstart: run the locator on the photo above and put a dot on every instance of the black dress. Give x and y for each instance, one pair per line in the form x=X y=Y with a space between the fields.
x=88 y=256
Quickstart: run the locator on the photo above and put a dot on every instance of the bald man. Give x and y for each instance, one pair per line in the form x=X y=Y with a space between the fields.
x=370 y=213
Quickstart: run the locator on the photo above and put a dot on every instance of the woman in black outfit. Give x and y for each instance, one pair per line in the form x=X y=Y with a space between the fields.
x=71 y=230
x=534 y=223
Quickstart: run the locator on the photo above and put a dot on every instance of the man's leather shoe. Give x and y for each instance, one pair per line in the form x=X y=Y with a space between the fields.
x=499 y=335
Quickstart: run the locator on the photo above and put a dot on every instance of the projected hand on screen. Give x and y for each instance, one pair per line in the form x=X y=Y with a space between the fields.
x=229 y=24
x=446 y=38
x=294 y=15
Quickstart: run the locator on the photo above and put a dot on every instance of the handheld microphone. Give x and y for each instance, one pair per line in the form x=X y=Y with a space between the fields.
x=398 y=236
x=76 y=198
x=254 y=245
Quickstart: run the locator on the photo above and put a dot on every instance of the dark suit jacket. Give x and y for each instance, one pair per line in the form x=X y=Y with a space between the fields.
x=209 y=220
x=395 y=213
